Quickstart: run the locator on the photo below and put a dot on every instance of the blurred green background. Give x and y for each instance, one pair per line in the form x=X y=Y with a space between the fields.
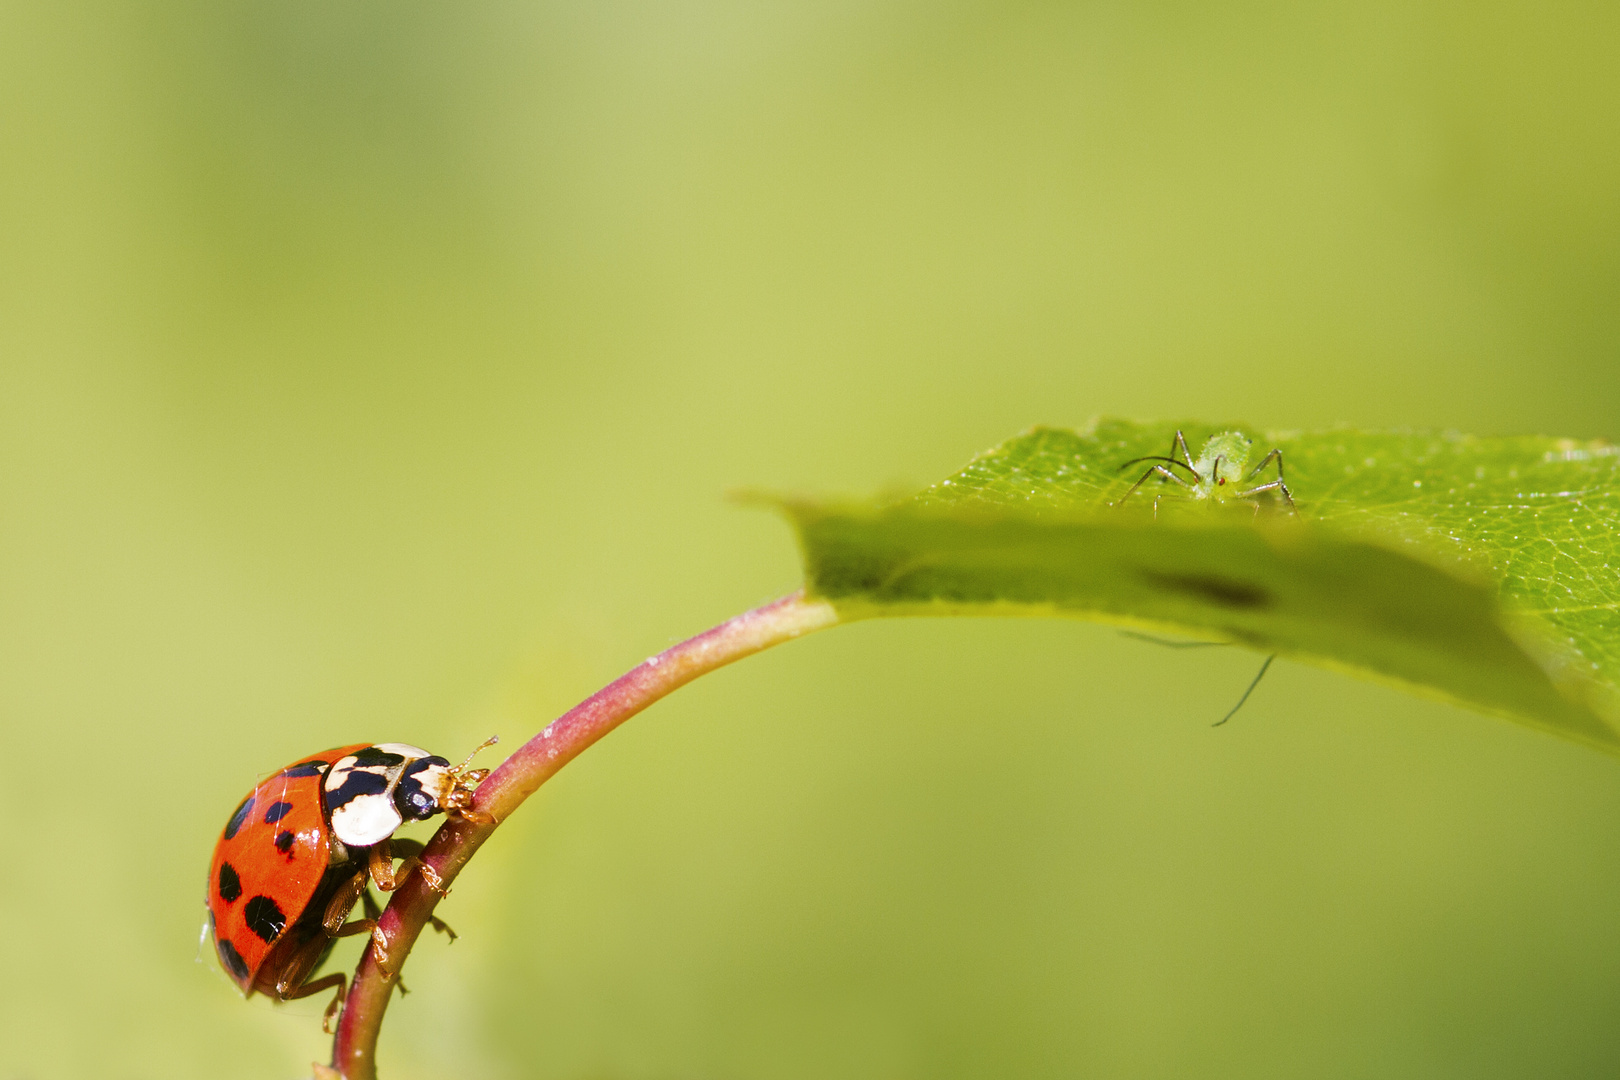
x=377 y=371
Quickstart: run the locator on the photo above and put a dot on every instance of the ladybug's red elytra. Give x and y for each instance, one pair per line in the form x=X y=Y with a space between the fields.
x=297 y=854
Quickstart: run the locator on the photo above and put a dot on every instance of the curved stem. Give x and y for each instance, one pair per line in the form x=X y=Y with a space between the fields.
x=354 y=1049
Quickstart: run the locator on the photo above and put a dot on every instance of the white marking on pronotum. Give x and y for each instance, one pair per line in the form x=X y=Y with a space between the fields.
x=360 y=789
x=404 y=750
x=366 y=819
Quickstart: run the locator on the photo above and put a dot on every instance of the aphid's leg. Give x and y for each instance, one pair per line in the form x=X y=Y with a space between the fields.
x=1275 y=485
x=1169 y=644
x=1180 y=443
x=1279 y=484
x=1274 y=454
x=381 y=866
x=1260 y=675
x=1161 y=471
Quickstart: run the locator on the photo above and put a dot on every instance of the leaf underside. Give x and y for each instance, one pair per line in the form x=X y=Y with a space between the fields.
x=1478 y=570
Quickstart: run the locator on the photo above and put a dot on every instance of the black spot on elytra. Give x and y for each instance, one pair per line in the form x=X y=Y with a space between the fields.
x=237 y=818
x=264 y=917
x=284 y=841
x=230 y=884
x=276 y=811
x=355 y=784
x=231 y=960
x=1217 y=590
x=305 y=768
x=373 y=756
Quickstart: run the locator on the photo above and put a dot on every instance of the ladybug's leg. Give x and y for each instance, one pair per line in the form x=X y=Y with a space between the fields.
x=290 y=985
x=342 y=903
x=335 y=979
x=368 y=904
x=381 y=866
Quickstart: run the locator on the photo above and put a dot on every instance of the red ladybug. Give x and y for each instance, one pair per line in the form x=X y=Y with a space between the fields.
x=296 y=856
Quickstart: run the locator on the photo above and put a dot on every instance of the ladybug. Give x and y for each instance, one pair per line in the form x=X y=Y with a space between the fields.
x=297 y=855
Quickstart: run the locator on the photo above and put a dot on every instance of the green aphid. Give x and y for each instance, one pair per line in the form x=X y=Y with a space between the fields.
x=1221 y=473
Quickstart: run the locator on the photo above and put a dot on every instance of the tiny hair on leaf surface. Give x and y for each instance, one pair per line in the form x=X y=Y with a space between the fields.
x=1482 y=571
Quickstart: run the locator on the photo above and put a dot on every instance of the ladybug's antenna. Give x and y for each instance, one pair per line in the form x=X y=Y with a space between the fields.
x=491 y=741
x=464 y=784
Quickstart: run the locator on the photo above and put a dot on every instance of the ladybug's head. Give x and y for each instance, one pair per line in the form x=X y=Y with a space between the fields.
x=432 y=786
x=422 y=788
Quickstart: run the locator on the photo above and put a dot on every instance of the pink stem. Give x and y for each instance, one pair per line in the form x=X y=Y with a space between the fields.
x=535 y=762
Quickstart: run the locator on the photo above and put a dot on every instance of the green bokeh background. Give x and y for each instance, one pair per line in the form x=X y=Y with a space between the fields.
x=377 y=371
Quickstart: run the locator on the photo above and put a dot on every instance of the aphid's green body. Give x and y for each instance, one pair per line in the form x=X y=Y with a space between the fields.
x=1221 y=465
x=1220 y=473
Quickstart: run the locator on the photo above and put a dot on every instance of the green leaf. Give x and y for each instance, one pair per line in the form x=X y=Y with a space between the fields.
x=1479 y=570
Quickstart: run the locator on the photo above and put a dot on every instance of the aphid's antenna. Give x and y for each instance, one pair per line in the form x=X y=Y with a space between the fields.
x=1157 y=457
x=1260 y=675
x=1167 y=643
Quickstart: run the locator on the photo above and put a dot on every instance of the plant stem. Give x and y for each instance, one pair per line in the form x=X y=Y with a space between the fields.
x=354 y=1049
